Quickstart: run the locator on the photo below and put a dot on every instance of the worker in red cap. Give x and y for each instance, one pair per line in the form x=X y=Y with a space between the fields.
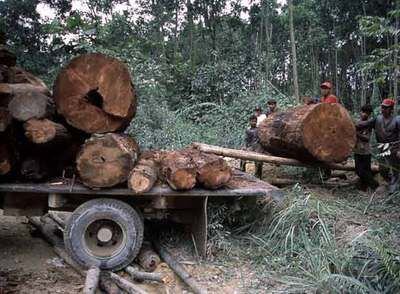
x=387 y=130
x=326 y=92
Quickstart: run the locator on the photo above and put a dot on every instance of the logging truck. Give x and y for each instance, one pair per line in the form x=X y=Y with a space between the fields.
x=106 y=226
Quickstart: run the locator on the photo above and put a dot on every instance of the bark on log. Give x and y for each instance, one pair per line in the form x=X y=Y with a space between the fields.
x=95 y=94
x=323 y=132
x=145 y=276
x=212 y=171
x=145 y=174
x=31 y=104
x=92 y=280
x=178 y=170
x=147 y=258
x=126 y=285
x=179 y=269
x=107 y=285
x=20 y=76
x=5 y=119
x=250 y=155
x=106 y=160
x=40 y=131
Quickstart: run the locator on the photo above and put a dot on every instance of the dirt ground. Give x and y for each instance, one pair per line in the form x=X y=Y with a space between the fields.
x=28 y=264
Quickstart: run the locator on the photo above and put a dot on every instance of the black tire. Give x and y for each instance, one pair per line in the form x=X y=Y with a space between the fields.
x=122 y=245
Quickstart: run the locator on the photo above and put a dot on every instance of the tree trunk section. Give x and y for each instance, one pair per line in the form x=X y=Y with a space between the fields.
x=212 y=171
x=106 y=160
x=29 y=105
x=95 y=94
x=178 y=170
x=145 y=174
x=321 y=132
x=40 y=131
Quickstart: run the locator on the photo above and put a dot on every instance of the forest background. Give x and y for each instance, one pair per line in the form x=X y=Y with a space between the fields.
x=201 y=66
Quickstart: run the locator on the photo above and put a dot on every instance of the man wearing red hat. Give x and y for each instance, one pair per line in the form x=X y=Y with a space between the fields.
x=327 y=96
x=387 y=130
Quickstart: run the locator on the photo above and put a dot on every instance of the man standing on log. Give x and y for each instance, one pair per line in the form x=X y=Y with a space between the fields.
x=387 y=131
x=326 y=92
x=252 y=144
x=362 y=153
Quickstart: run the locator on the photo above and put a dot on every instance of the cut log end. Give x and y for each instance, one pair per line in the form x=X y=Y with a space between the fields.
x=106 y=160
x=91 y=98
x=329 y=133
x=320 y=132
x=183 y=179
x=5 y=119
x=42 y=131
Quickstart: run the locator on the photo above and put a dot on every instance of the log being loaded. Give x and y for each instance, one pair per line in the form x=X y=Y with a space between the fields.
x=95 y=94
x=320 y=132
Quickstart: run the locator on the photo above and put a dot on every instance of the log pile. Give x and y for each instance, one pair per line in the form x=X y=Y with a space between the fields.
x=78 y=129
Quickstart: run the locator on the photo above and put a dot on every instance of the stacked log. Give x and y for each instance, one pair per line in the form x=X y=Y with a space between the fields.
x=79 y=129
x=320 y=132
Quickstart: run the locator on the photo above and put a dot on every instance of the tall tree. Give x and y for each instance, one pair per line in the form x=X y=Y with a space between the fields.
x=294 y=57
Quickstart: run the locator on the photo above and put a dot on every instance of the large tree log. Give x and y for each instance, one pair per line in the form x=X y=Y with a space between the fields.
x=30 y=104
x=40 y=131
x=106 y=160
x=145 y=174
x=178 y=170
x=250 y=155
x=212 y=171
x=323 y=132
x=95 y=94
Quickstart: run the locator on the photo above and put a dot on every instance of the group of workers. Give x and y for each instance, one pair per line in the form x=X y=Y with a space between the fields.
x=387 y=132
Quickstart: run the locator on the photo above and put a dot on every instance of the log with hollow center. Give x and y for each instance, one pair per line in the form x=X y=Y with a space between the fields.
x=95 y=94
x=320 y=132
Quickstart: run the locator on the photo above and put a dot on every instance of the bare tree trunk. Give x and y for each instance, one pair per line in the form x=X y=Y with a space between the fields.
x=294 y=57
x=395 y=61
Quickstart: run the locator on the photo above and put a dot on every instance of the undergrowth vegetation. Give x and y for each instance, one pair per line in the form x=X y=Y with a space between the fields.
x=314 y=245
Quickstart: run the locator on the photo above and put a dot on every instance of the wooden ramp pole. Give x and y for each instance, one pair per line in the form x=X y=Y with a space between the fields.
x=250 y=155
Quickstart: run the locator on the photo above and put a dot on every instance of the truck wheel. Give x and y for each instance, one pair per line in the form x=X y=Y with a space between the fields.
x=106 y=233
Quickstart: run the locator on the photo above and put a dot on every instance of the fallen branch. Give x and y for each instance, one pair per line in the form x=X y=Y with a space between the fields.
x=179 y=269
x=254 y=156
x=126 y=285
x=141 y=276
x=92 y=280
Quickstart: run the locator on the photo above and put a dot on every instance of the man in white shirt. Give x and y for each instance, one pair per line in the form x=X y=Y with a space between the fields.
x=260 y=116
